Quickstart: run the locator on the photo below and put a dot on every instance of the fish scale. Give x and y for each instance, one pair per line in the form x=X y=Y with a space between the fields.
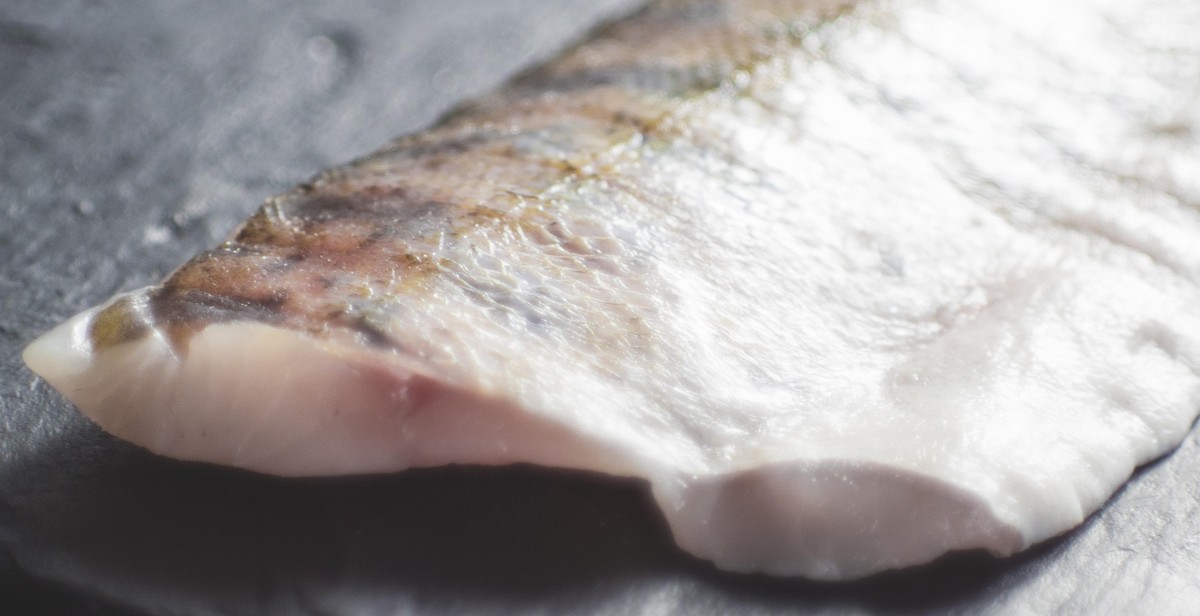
x=850 y=285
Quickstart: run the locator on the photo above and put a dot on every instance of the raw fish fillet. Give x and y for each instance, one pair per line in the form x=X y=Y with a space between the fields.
x=851 y=285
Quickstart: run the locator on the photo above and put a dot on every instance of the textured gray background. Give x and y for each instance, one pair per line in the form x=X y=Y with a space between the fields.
x=135 y=133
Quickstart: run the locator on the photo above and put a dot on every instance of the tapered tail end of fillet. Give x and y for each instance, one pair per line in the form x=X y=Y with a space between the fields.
x=62 y=355
x=276 y=401
x=242 y=394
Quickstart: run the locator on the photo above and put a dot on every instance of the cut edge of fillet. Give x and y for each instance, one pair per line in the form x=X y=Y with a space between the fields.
x=830 y=519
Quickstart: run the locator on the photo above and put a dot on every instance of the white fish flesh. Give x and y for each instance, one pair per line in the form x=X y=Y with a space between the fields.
x=850 y=285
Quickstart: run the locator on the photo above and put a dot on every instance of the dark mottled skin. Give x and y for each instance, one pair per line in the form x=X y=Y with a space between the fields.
x=379 y=220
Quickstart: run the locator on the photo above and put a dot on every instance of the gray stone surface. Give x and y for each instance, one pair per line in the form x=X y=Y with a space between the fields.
x=135 y=133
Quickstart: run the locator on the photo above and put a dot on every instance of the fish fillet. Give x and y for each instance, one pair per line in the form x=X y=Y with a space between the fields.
x=851 y=285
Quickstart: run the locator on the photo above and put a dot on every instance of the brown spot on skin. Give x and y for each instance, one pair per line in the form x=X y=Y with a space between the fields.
x=270 y=224
x=122 y=321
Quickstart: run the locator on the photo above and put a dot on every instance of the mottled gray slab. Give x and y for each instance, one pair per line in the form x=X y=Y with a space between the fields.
x=135 y=133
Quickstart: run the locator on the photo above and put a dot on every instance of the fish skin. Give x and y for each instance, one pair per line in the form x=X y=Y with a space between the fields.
x=851 y=285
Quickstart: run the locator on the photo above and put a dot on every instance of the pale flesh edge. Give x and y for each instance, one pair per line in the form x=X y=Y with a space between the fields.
x=257 y=397
x=1061 y=354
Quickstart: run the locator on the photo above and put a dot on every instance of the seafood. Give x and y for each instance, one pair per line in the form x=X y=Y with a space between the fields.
x=851 y=285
